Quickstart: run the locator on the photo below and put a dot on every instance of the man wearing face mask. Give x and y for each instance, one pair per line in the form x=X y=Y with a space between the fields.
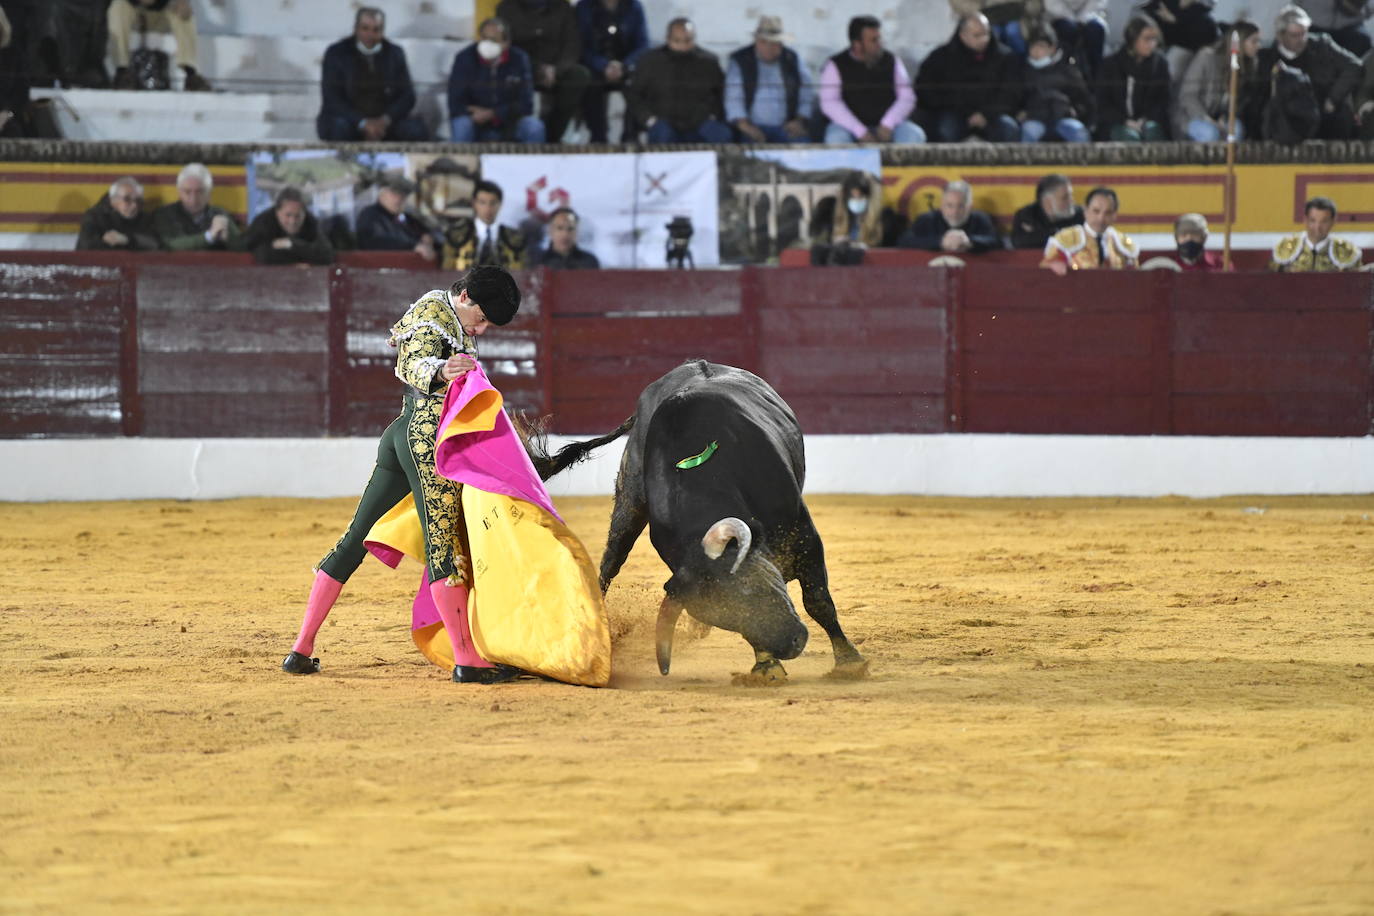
x=1052 y=211
x=1334 y=71
x=678 y=89
x=1190 y=235
x=1316 y=250
x=491 y=90
x=366 y=87
x=955 y=228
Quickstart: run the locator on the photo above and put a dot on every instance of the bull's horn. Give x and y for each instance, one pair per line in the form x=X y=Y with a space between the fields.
x=668 y=613
x=721 y=534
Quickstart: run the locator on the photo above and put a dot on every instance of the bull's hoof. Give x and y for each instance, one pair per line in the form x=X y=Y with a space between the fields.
x=764 y=674
x=296 y=663
x=853 y=670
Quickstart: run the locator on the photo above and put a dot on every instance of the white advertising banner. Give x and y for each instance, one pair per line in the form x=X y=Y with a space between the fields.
x=625 y=201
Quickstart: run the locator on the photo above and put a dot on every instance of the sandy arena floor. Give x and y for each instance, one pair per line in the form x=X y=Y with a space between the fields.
x=1078 y=706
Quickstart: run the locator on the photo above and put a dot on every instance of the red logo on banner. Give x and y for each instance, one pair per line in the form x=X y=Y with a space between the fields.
x=553 y=199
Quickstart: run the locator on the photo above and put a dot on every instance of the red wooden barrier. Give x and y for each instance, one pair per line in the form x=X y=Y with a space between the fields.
x=1243 y=259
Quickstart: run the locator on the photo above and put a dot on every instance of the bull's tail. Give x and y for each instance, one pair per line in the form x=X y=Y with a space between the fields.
x=534 y=433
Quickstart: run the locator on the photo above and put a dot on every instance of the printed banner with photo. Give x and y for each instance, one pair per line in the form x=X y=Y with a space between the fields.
x=625 y=202
x=768 y=196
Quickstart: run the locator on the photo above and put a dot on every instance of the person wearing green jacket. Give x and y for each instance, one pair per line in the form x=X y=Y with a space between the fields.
x=193 y=223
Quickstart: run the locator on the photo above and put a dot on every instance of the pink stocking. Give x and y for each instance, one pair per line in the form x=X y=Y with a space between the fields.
x=322 y=597
x=452 y=602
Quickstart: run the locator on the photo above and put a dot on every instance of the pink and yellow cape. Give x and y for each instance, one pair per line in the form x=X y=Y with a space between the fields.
x=535 y=601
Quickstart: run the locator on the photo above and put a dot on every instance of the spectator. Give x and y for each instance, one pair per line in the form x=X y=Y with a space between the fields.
x=481 y=240
x=968 y=87
x=866 y=92
x=563 y=253
x=1204 y=97
x=955 y=228
x=1190 y=237
x=193 y=223
x=64 y=41
x=1316 y=250
x=1082 y=29
x=117 y=221
x=1364 y=100
x=14 y=73
x=843 y=227
x=546 y=30
x=173 y=16
x=1333 y=71
x=288 y=233
x=769 y=94
x=386 y=226
x=1185 y=27
x=613 y=34
x=1052 y=211
x=1095 y=243
x=1133 y=89
x=1057 y=101
x=1012 y=21
x=366 y=87
x=1344 y=21
x=491 y=90
x=676 y=91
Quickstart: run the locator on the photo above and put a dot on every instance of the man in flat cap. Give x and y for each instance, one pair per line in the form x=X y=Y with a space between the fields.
x=386 y=226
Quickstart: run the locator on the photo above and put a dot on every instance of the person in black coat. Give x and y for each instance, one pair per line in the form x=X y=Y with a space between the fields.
x=563 y=253
x=546 y=30
x=288 y=234
x=1334 y=72
x=386 y=226
x=1053 y=210
x=118 y=221
x=955 y=228
x=366 y=88
x=968 y=87
x=1057 y=102
x=1133 y=88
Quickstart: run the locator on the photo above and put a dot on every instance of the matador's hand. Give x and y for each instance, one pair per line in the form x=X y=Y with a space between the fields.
x=459 y=364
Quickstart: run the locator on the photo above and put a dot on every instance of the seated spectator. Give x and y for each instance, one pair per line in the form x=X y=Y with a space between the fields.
x=1095 y=244
x=1012 y=21
x=288 y=233
x=14 y=74
x=1204 y=96
x=546 y=30
x=1344 y=21
x=64 y=41
x=386 y=226
x=955 y=228
x=193 y=223
x=1057 y=101
x=1190 y=237
x=843 y=228
x=1334 y=71
x=491 y=91
x=563 y=253
x=1316 y=250
x=173 y=16
x=1082 y=29
x=1053 y=210
x=614 y=34
x=676 y=92
x=117 y=221
x=1185 y=28
x=769 y=94
x=480 y=239
x=366 y=88
x=866 y=92
x=1133 y=88
x=968 y=87
x=1364 y=100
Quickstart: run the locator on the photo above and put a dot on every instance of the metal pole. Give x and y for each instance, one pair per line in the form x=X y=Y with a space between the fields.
x=1231 y=149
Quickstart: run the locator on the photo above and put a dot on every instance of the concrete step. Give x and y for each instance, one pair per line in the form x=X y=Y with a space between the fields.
x=200 y=117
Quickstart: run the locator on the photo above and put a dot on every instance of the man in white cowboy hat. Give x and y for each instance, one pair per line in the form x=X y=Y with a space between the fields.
x=769 y=93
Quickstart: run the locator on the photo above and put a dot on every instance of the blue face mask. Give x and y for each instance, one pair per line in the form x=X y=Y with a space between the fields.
x=1040 y=63
x=857 y=205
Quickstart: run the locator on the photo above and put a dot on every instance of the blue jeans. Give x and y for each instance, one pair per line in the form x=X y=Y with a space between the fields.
x=772 y=135
x=1084 y=40
x=951 y=128
x=340 y=129
x=904 y=132
x=1070 y=130
x=708 y=131
x=1201 y=131
x=1010 y=34
x=528 y=129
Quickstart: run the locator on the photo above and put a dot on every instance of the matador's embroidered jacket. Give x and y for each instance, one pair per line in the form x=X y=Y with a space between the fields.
x=1297 y=254
x=1078 y=247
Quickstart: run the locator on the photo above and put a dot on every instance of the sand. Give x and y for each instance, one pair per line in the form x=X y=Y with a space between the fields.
x=1077 y=706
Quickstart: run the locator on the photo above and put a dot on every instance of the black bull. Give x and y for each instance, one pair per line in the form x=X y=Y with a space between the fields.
x=714 y=466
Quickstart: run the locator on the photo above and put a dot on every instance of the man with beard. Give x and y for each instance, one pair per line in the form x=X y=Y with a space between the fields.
x=955 y=228
x=1095 y=244
x=866 y=92
x=1053 y=210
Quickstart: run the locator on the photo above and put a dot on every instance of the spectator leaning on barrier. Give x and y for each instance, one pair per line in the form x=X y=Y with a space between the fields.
x=955 y=228
x=1204 y=95
x=1052 y=211
x=1190 y=238
x=288 y=233
x=769 y=94
x=491 y=90
x=546 y=30
x=1094 y=244
x=1316 y=250
x=386 y=226
x=1057 y=101
x=866 y=92
x=1133 y=88
x=1344 y=21
x=173 y=16
x=1334 y=71
x=562 y=252
x=1082 y=29
x=117 y=221
x=192 y=223
x=366 y=89
x=677 y=88
x=969 y=87
x=614 y=34
x=470 y=242
x=844 y=226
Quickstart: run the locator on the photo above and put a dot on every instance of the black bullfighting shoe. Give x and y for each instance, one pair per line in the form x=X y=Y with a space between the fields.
x=296 y=663
x=471 y=674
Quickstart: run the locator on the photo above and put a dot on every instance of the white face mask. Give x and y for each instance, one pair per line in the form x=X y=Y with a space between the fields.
x=488 y=49
x=1040 y=63
x=857 y=205
x=365 y=50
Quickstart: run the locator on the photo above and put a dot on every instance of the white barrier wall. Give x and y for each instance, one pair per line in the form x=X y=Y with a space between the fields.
x=937 y=465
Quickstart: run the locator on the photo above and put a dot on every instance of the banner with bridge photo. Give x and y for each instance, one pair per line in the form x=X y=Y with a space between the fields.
x=625 y=201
